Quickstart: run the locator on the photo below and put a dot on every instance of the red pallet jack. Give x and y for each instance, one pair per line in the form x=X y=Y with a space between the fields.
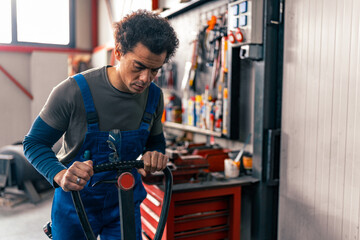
x=125 y=183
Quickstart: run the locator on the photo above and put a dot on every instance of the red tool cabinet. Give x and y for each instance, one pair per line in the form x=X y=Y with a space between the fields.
x=195 y=213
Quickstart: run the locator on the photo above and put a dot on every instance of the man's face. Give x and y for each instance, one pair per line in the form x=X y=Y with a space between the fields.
x=138 y=68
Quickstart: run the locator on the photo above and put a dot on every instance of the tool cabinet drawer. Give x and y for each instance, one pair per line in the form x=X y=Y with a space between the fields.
x=201 y=214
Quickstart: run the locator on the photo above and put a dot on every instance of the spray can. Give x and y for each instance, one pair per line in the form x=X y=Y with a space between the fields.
x=184 y=109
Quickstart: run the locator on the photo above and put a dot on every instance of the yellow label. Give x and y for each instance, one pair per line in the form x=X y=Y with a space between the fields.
x=247 y=162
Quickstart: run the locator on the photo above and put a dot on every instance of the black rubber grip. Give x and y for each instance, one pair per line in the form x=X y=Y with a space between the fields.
x=166 y=204
x=118 y=166
x=80 y=210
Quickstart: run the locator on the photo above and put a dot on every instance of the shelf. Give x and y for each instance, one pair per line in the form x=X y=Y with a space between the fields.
x=182 y=7
x=191 y=129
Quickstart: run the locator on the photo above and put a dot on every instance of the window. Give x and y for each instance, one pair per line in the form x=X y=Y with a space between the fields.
x=37 y=22
x=5 y=21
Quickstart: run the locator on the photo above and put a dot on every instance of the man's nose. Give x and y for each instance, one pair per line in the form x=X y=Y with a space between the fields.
x=145 y=75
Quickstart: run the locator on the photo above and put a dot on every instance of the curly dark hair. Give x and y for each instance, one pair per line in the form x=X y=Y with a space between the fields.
x=148 y=28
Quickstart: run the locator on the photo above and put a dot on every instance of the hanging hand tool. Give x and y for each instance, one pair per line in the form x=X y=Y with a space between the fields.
x=194 y=57
x=216 y=64
x=224 y=67
x=217 y=31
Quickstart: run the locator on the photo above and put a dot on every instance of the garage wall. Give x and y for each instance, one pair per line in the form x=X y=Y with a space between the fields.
x=117 y=9
x=320 y=152
x=14 y=104
x=47 y=70
x=83 y=24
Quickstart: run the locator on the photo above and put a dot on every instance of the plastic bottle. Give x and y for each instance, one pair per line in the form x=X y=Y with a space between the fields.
x=176 y=114
x=191 y=111
x=206 y=94
x=218 y=124
x=184 y=108
x=203 y=115
x=212 y=117
x=209 y=106
x=218 y=111
x=169 y=108
x=198 y=100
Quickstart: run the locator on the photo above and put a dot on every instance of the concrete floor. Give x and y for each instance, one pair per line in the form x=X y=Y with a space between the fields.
x=25 y=220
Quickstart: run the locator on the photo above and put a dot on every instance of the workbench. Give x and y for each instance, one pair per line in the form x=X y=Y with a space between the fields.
x=200 y=210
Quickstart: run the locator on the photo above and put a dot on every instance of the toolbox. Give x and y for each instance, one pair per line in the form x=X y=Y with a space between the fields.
x=204 y=213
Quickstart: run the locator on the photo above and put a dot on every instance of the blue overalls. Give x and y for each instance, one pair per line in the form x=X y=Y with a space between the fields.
x=101 y=202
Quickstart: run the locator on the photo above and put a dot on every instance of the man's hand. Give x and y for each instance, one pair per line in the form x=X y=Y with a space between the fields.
x=153 y=161
x=75 y=177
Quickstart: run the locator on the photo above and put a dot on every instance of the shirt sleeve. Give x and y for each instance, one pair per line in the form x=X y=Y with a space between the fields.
x=59 y=106
x=157 y=127
x=156 y=143
x=37 y=149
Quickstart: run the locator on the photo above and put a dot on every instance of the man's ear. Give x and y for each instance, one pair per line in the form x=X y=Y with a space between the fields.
x=117 y=54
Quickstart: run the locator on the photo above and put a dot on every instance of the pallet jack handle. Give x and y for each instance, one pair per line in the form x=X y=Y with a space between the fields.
x=123 y=166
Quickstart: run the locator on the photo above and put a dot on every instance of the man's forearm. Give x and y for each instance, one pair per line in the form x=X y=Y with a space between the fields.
x=37 y=149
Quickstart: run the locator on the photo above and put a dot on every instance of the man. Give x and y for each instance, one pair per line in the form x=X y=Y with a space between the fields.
x=85 y=108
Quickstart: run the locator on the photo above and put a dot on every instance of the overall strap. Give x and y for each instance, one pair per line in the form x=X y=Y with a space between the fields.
x=151 y=105
x=91 y=115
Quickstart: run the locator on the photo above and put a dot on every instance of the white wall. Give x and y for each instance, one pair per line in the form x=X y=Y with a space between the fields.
x=121 y=7
x=47 y=70
x=105 y=28
x=14 y=104
x=320 y=152
x=38 y=72
x=83 y=25
x=118 y=9
x=168 y=3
